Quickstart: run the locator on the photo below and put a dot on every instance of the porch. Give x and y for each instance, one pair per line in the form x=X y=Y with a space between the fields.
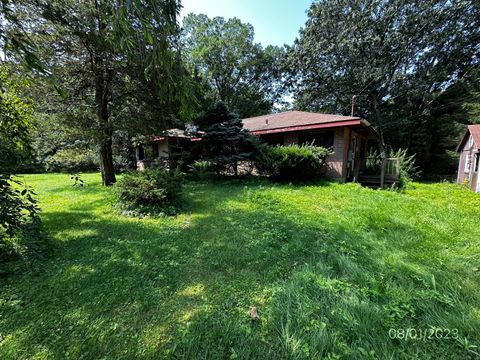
x=378 y=172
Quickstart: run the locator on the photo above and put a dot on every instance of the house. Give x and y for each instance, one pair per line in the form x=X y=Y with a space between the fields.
x=171 y=143
x=469 y=151
x=349 y=137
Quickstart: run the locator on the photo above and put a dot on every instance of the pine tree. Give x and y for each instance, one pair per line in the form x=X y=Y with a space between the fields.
x=225 y=142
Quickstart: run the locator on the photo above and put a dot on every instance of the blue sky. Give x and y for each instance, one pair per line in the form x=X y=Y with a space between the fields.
x=276 y=22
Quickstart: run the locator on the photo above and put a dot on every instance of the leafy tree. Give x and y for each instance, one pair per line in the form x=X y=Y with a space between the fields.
x=118 y=65
x=16 y=41
x=238 y=72
x=396 y=56
x=225 y=142
x=19 y=220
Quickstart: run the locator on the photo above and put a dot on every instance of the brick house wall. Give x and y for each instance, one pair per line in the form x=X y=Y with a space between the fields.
x=336 y=163
x=290 y=139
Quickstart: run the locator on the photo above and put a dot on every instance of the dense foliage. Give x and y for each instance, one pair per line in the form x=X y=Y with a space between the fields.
x=72 y=160
x=292 y=162
x=16 y=42
x=225 y=143
x=152 y=191
x=398 y=57
x=20 y=226
x=131 y=70
x=117 y=68
x=230 y=67
x=20 y=234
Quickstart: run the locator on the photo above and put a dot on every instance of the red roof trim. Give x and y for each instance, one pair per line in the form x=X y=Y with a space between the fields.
x=160 y=138
x=307 y=127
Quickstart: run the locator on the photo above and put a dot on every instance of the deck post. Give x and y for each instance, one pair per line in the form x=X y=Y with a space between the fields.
x=382 y=174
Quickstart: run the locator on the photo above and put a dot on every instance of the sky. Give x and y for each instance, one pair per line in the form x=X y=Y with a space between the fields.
x=276 y=22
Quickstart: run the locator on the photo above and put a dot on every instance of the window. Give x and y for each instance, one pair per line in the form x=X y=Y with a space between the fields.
x=470 y=141
x=324 y=139
x=477 y=160
x=467 y=163
x=273 y=139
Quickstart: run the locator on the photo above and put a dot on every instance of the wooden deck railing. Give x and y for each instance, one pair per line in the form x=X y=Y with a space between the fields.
x=390 y=169
x=380 y=170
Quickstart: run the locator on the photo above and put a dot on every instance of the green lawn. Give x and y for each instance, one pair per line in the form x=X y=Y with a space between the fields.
x=335 y=270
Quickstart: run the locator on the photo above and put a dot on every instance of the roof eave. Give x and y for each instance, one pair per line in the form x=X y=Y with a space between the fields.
x=314 y=126
x=462 y=142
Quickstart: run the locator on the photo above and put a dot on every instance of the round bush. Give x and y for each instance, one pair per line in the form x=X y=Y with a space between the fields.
x=150 y=191
x=291 y=162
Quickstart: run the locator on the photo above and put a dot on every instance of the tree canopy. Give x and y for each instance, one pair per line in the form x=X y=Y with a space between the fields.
x=118 y=66
x=237 y=71
x=397 y=57
x=127 y=69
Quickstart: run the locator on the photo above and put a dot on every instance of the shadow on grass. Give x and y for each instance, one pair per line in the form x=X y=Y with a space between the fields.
x=182 y=287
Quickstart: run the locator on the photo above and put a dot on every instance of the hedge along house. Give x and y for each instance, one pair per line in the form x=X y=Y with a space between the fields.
x=469 y=162
x=349 y=137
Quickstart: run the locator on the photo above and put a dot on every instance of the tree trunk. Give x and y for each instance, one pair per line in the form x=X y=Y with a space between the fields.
x=107 y=168
x=378 y=122
x=106 y=159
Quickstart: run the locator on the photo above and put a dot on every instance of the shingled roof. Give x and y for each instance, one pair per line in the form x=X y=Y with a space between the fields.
x=295 y=119
x=473 y=130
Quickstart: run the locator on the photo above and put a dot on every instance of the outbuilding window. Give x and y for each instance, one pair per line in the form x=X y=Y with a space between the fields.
x=470 y=141
x=467 y=163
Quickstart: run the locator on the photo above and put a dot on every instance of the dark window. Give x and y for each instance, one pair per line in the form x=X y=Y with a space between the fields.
x=477 y=160
x=324 y=139
x=273 y=139
x=140 y=153
x=301 y=138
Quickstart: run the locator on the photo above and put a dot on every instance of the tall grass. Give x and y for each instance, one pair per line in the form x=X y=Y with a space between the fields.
x=332 y=269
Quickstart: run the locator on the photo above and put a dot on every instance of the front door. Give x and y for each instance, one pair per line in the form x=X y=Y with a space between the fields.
x=352 y=159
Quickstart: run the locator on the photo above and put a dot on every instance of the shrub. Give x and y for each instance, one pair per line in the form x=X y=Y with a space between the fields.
x=72 y=160
x=407 y=168
x=20 y=231
x=153 y=191
x=201 y=169
x=373 y=163
x=20 y=226
x=292 y=162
